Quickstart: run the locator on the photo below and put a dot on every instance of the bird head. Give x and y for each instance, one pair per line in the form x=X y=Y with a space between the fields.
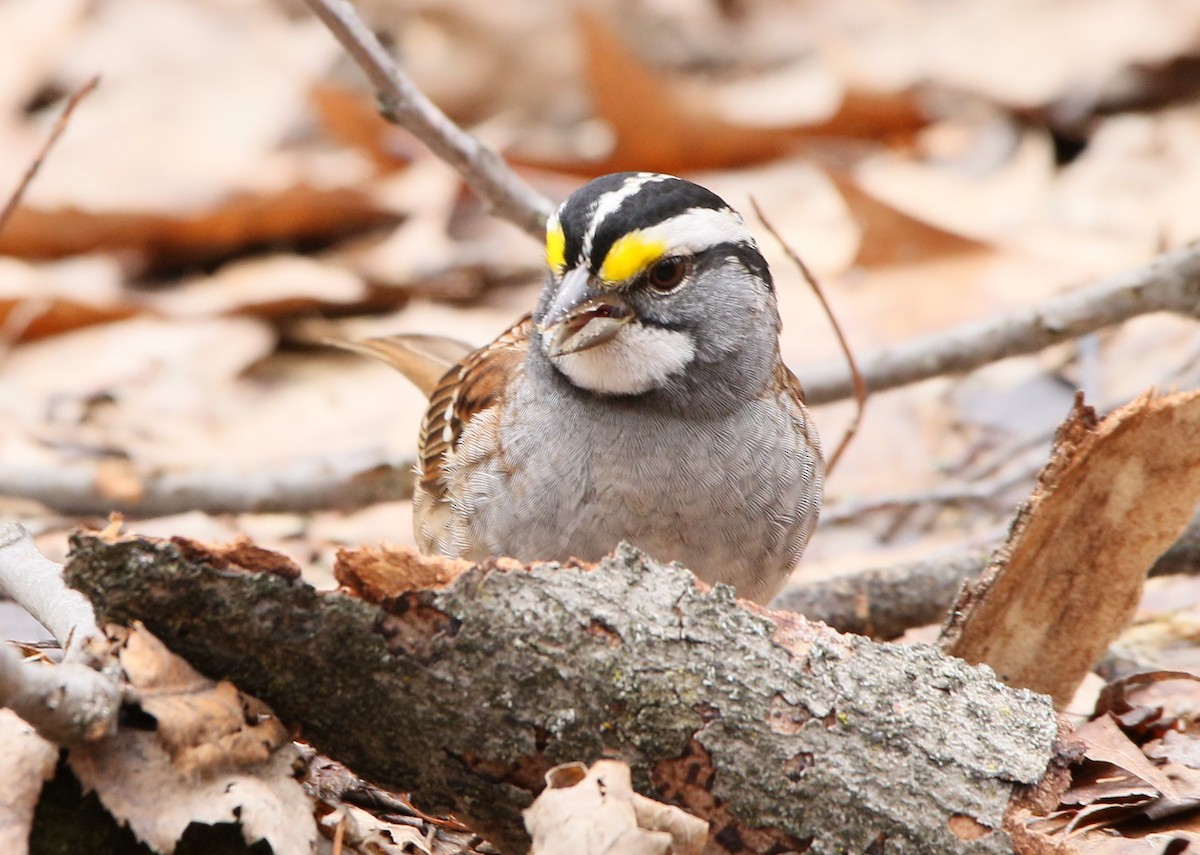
x=653 y=281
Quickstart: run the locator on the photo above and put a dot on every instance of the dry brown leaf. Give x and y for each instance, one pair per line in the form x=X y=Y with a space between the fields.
x=350 y=116
x=29 y=760
x=204 y=726
x=295 y=214
x=979 y=177
x=34 y=36
x=1107 y=743
x=1114 y=495
x=1152 y=703
x=187 y=151
x=596 y=812
x=1103 y=782
x=891 y=237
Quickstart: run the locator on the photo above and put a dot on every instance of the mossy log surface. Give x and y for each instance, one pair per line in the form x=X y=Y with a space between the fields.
x=782 y=733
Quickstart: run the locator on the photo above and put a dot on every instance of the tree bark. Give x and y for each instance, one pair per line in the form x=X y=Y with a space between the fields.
x=781 y=733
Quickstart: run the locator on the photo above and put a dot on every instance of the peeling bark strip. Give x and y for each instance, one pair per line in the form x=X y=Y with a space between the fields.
x=1114 y=496
x=782 y=733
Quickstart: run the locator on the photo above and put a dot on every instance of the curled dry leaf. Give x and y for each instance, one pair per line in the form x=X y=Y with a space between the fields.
x=1137 y=789
x=1115 y=494
x=215 y=756
x=596 y=812
x=28 y=761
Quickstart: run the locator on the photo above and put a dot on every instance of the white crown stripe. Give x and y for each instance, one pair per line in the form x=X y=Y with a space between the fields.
x=611 y=201
x=697 y=229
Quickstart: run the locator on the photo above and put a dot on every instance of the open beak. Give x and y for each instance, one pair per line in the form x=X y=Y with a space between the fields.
x=582 y=316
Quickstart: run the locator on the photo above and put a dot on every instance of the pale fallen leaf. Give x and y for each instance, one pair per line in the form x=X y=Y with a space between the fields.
x=371 y=835
x=989 y=48
x=72 y=293
x=137 y=783
x=214 y=756
x=267 y=287
x=596 y=812
x=979 y=177
x=29 y=760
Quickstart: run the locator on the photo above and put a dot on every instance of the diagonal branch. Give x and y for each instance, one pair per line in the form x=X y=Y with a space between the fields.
x=60 y=125
x=402 y=102
x=1170 y=283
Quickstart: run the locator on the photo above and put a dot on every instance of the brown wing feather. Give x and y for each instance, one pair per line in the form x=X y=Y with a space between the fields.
x=467 y=389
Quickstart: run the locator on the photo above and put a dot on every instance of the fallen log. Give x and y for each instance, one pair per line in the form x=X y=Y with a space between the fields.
x=782 y=733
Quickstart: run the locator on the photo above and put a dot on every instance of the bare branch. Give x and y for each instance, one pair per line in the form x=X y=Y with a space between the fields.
x=60 y=125
x=68 y=704
x=1170 y=283
x=402 y=102
x=343 y=482
x=36 y=584
x=885 y=602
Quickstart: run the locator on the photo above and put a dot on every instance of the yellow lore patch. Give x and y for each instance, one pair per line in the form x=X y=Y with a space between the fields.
x=629 y=256
x=556 y=246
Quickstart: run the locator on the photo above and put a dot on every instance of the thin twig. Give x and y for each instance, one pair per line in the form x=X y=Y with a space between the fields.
x=860 y=387
x=402 y=102
x=339 y=832
x=60 y=125
x=1170 y=283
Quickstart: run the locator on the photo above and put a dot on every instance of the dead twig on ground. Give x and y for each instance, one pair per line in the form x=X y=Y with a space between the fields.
x=859 y=385
x=884 y=602
x=400 y=101
x=341 y=483
x=1170 y=283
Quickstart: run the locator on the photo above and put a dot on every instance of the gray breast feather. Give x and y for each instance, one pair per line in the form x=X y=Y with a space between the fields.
x=733 y=498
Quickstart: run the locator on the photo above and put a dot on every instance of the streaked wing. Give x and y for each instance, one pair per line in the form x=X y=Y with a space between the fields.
x=474 y=385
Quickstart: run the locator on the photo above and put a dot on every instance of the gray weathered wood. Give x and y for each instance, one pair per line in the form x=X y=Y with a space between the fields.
x=783 y=733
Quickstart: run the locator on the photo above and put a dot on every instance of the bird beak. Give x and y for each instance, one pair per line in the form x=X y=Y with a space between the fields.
x=581 y=315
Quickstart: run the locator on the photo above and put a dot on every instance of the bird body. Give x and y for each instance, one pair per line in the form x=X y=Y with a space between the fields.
x=644 y=400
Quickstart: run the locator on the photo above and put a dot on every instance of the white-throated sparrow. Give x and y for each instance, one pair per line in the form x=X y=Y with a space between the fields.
x=643 y=400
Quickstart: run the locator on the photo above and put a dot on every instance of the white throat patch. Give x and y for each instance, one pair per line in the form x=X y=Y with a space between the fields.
x=637 y=360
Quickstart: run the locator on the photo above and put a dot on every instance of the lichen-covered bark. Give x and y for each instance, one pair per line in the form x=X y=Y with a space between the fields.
x=783 y=733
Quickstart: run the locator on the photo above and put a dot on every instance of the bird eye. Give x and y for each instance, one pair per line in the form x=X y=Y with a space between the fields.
x=666 y=274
